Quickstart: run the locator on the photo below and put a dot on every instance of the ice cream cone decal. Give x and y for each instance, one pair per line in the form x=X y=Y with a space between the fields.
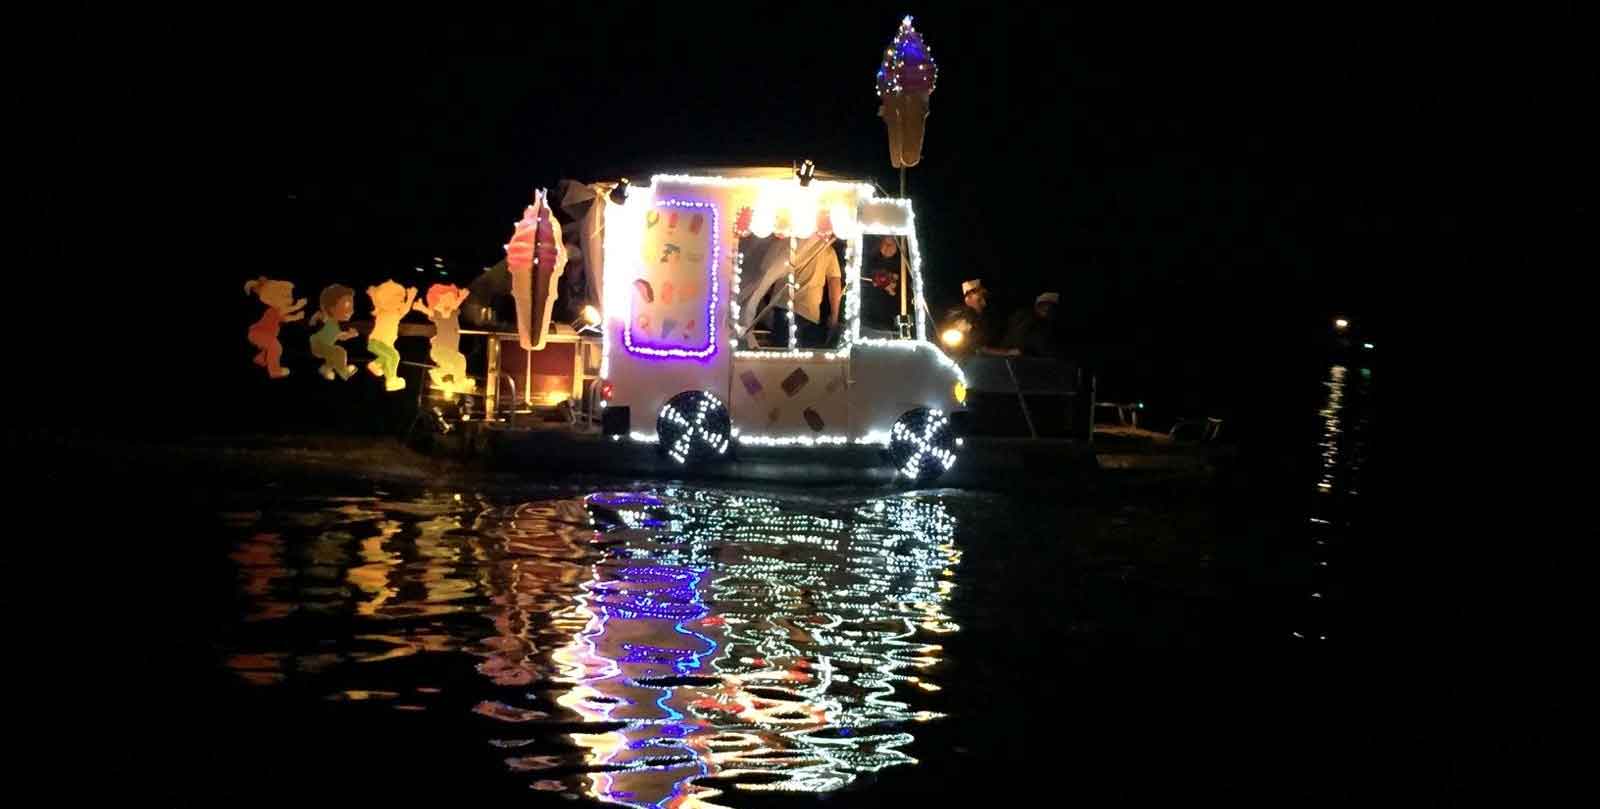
x=905 y=83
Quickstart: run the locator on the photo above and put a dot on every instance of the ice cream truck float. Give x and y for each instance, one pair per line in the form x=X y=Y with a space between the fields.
x=685 y=362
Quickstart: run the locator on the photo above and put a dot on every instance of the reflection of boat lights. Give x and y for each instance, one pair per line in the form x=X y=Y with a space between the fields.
x=794 y=668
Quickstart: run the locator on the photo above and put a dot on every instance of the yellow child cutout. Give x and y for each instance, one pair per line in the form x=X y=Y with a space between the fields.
x=443 y=307
x=281 y=308
x=390 y=302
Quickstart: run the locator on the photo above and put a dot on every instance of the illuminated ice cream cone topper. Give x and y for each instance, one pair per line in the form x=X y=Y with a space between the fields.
x=906 y=79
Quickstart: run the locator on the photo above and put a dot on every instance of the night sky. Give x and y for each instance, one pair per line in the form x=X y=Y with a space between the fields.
x=1205 y=188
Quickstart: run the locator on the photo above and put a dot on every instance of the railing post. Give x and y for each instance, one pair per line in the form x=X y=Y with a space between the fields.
x=1032 y=432
x=491 y=380
x=1088 y=422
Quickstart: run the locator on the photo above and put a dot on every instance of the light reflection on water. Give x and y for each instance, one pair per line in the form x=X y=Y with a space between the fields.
x=1346 y=420
x=649 y=648
x=683 y=647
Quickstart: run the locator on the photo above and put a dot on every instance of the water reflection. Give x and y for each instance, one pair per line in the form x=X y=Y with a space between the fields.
x=1346 y=419
x=653 y=648
x=533 y=557
x=761 y=646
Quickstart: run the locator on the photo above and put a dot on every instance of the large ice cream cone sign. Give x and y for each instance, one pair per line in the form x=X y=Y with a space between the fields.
x=536 y=257
x=905 y=83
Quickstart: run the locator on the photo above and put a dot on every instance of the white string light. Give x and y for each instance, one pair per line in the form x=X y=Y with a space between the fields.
x=920 y=447
x=875 y=438
x=622 y=246
x=783 y=185
x=796 y=354
x=890 y=73
x=733 y=299
x=852 y=280
x=913 y=345
x=794 y=337
x=794 y=440
x=908 y=229
x=695 y=430
x=894 y=217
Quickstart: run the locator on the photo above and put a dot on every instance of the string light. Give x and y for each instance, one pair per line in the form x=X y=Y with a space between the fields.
x=907 y=63
x=893 y=217
x=733 y=300
x=711 y=308
x=621 y=240
x=875 y=437
x=905 y=226
x=913 y=345
x=823 y=187
x=852 y=280
x=794 y=440
x=921 y=443
x=794 y=354
x=794 y=335
x=693 y=424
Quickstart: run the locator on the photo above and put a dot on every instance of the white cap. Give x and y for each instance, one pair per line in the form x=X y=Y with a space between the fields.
x=1048 y=297
x=968 y=287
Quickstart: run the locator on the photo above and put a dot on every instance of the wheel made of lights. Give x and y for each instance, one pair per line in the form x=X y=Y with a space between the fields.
x=693 y=427
x=922 y=444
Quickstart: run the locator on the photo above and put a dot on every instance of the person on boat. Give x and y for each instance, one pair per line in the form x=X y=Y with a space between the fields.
x=880 y=286
x=1032 y=332
x=970 y=319
x=815 y=267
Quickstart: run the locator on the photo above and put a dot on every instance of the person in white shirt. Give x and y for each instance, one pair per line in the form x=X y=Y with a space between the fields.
x=816 y=271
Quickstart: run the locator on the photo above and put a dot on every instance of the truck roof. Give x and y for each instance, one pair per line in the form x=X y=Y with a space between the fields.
x=761 y=173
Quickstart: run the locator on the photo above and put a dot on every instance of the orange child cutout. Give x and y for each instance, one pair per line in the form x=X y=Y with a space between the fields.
x=443 y=307
x=390 y=302
x=336 y=305
x=281 y=308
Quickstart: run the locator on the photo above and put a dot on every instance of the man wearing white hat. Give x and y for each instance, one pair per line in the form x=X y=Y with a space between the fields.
x=1033 y=332
x=974 y=294
x=969 y=318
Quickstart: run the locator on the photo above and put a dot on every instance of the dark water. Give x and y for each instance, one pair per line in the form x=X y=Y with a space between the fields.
x=669 y=645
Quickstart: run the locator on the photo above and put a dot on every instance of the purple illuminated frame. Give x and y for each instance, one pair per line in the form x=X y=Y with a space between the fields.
x=711 y=310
